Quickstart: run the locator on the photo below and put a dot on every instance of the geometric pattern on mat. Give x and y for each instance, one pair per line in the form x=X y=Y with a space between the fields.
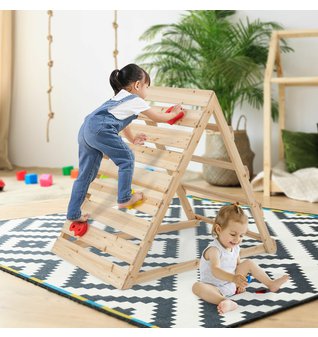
x=25 y=246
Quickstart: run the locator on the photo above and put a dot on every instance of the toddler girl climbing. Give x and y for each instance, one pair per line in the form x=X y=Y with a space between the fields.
x=99 y=135
x=222 y=273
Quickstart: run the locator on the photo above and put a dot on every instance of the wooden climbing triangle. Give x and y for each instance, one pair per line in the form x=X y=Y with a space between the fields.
x=125 y=246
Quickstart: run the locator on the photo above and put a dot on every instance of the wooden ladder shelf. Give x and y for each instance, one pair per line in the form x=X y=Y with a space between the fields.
x=274 y=62
x=131 y=237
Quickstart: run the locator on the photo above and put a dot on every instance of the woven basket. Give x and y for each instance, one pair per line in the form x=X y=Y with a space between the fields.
x=216 y=149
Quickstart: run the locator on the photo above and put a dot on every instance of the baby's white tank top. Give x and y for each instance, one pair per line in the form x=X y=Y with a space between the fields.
x=228 y=262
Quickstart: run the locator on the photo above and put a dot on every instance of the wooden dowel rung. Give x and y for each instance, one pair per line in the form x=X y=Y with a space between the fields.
x=166 y=228
x=166 y=271
x=203 y=192
x=254 y=250
x=213 y=162
x=254 y=235
x=204 y=218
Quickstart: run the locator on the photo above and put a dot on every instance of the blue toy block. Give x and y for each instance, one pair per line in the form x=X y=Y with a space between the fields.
x=31 y=178
x=248 y=278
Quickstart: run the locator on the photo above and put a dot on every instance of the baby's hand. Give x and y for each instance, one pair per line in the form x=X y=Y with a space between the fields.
x=240 y=281
x=240 y=290
x=140 y=139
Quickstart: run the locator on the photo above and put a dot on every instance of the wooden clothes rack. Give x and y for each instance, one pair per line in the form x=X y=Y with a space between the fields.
x=274 y=60
x=131 y=237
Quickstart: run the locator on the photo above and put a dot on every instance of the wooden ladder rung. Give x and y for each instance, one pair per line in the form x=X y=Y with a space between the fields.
x=106 y=242
x=156 y=273
x=92 y=263
x=191 y=118
x=155 y=157
x=163 y=136
x=200 y=191
x=166 y=228
x=296 y=81
x=254 y=250
x=122 y=221
x=179 y=96
x=213 y=162
x=158 y=181
x=108 y=189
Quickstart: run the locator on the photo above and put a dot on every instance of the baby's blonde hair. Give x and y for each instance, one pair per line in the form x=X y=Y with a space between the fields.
x=226 y=213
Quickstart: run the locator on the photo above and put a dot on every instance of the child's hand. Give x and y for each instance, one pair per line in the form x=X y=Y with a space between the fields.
x=177 y=109
x=140 y=139
x=240 y=290
x=240 y=281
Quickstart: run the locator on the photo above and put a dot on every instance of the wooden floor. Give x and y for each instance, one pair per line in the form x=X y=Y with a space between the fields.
x=25 y=305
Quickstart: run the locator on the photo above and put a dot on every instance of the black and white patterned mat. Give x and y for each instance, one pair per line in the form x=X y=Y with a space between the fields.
x=25 y=246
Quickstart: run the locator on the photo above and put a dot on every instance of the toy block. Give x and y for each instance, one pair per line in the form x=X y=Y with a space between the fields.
x=31 y=178
x=20 y=175
x=130 y=237
x=74 y=173
x=2 y=184
x=67 y=170
x=46 y=180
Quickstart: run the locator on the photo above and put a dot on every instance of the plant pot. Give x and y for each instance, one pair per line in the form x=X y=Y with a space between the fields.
x=216 y=149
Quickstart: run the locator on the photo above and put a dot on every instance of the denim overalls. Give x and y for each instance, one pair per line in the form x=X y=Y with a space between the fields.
x=98 y=135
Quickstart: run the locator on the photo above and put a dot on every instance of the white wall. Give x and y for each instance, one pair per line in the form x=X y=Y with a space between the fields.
x=82 y=53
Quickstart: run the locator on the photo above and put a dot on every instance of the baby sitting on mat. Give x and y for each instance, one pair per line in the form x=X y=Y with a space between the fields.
x=222 y=273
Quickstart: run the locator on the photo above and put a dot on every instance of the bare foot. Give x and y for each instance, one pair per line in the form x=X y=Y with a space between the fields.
x=276 y=284
x=225 y=306
x=137 y=196
x=83 y=218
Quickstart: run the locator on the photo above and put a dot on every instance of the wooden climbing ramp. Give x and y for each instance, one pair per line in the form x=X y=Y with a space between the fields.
x=125 y=246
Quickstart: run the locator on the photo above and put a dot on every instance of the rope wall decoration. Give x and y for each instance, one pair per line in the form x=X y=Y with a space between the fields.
x=115 y=52
x=50 y=65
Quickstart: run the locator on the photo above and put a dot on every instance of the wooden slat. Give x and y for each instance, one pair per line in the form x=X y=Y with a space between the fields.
x=166 y=228
x=108 y=188
x=253 y=235
x=106 y=242
x=94 y=264
x=214 y=162
x=116 y=219
x=254 y=250
x=163 y=136
x=179 y=96
x=199 y=191
x=191 y=118
x=158 y=181
x=166 y=271
x=155 y=157
x=296 y=81
x=297 y=33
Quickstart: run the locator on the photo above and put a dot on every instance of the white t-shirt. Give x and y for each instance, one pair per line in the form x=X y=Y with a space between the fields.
x=131 y=107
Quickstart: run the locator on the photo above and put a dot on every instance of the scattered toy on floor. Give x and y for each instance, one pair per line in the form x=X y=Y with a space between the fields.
x=31 y=178
x=67 y=170
x=46 y=180
x=20 y=175
x=74 y=173
x=2 y=184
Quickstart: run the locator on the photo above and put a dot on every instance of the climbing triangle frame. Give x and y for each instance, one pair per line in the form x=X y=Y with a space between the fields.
x=123 y=248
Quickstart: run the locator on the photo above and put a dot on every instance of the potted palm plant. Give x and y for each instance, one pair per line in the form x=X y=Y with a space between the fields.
x=207 y=49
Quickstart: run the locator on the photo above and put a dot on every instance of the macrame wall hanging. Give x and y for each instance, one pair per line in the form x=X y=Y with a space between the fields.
x=50 y=65
x=115 y=52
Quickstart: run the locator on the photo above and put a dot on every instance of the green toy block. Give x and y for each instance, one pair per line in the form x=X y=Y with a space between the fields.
x=103 y=176
x=67 y=170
